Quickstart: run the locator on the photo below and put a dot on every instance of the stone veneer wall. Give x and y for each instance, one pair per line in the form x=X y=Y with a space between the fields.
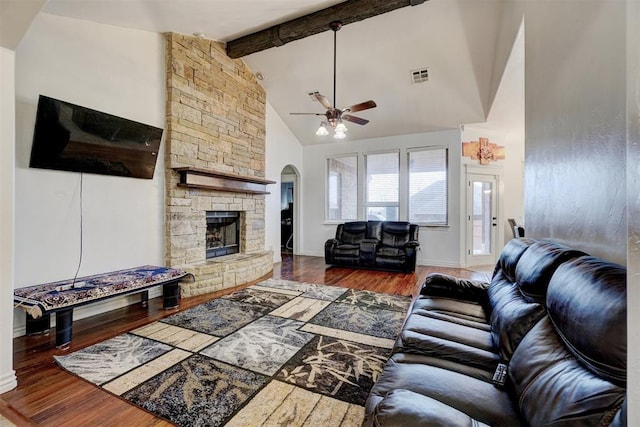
x=215 y=121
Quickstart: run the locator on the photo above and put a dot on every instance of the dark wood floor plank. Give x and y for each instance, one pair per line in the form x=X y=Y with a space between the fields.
x=48 y=396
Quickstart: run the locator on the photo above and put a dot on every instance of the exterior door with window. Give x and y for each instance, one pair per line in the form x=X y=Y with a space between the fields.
x=482 y=219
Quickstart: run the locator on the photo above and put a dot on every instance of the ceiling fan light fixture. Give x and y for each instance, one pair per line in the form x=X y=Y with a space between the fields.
x=335 y=115
x=340 y=127
x=322 y=130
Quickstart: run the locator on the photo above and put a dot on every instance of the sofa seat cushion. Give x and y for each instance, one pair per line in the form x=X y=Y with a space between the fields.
x=388 y=251
x=459 y=309
x=451 y=331
x=455 y=319
x=461 y=354
x=406 y=408
x=347 y=250
x=479 y=399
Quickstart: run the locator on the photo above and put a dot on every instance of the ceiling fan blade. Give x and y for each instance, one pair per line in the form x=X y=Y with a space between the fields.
x=362 y=106
x=354 y=119
x=323 y=100
x=307 y=114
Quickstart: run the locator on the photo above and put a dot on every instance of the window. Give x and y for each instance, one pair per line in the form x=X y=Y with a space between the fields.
x=428 y=186
x=342 y=188
x=414 y=189
x=382 y=191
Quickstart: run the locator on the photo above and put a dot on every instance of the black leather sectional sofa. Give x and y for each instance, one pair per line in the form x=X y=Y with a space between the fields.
x=387 y=245
x=543 y=344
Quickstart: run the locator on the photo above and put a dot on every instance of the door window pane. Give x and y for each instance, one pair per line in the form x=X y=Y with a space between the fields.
x=482 y=217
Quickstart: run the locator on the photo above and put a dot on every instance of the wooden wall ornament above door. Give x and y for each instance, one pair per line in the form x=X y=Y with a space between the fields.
x=483 y=150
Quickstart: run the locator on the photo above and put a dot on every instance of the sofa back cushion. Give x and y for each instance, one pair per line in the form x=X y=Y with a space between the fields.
x=395 y=233
x=586 y=302
x=537 y=265
x=351 y=233
x=509 y=258
x=570 y=369
x=374 y=230
x=514 y=304
x=510 y=315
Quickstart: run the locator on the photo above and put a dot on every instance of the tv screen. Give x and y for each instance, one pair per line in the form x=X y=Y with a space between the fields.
x=74 y=138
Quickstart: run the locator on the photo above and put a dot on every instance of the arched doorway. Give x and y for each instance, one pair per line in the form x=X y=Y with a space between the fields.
x=289 y=210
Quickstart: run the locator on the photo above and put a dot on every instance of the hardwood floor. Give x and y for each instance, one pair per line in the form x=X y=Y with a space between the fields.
x=48 y=396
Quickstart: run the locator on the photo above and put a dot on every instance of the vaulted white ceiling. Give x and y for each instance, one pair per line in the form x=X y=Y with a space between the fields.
x=454 y=39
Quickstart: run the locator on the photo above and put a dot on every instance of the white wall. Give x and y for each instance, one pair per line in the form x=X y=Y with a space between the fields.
x=439 y=246
x=110 y=69
x=282 y=149
x=7 y=138
x=575 y=82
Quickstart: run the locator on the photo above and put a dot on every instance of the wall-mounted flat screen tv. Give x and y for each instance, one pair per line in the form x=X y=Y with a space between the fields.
x=74 y=138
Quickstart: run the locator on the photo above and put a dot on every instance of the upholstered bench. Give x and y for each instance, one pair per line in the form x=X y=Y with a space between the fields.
x=61 y=297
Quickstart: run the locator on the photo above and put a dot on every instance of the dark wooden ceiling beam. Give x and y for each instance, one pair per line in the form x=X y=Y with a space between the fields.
x=347 y=12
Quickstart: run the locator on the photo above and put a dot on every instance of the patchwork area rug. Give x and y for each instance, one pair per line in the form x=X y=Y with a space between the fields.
x=276 y=353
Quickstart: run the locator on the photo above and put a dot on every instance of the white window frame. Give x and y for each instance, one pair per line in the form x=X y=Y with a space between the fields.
x=327 y=187
x=407 y=202
x=365 y=200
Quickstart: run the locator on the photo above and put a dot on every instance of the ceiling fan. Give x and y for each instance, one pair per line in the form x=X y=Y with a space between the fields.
x=335 y=116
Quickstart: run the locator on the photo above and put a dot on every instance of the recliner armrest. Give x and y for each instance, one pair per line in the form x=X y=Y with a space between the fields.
x=406 y=408
x=443 y=285
x=412 y=244
x=331 y=242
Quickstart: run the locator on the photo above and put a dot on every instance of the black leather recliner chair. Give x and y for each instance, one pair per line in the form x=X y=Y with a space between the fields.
x=387 y=245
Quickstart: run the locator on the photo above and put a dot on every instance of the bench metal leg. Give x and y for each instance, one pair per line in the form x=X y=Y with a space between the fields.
x=170 y=295
x=144 y=298
x=39 y=326
x=64 y=328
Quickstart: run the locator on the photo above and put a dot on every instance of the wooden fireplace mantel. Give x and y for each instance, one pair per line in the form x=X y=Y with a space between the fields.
x=212 y=180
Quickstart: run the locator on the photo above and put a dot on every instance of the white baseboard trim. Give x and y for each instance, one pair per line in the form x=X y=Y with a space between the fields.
x=419 y=261
x=438 y=263
x=8 y=381
x=311 y=253
x=92 y=309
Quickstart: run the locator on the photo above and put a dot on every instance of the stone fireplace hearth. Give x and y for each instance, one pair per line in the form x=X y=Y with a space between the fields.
x=214 y=161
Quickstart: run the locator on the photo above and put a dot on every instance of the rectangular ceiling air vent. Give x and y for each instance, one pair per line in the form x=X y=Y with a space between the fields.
x=420 y=76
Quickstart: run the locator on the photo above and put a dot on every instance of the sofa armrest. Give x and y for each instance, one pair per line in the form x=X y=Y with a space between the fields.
x=406 y=408
x=331 y=242
x=412 y=244
x=329 y=245
x=443 y=285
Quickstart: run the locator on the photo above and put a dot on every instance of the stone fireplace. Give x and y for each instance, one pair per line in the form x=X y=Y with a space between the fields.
x=214 y=162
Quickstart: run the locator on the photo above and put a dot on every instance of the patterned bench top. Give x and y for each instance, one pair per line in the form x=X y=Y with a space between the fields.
x=47 y=297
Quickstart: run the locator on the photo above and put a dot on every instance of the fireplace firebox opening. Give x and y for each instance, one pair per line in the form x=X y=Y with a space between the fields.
x=223 y=233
